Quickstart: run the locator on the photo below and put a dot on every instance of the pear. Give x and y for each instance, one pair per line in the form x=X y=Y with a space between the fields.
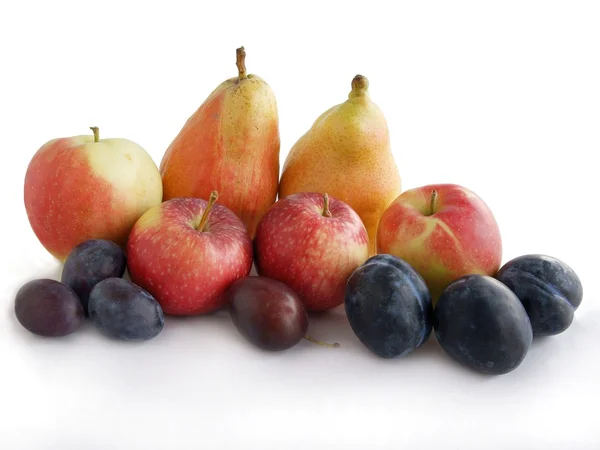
x=347 y=155
x=231 y=145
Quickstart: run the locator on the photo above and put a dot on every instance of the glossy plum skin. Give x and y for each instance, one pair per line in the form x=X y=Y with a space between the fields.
x=48 y=308
x=91 y=262
x=123 y=310
x=268 y=313
x=548 y=288
x=480 y=323
x=389 y=306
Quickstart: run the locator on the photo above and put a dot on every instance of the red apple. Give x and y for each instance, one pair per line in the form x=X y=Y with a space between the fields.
x=312 y=243
x=84 y=187
x=444 y=231
x=187 y=252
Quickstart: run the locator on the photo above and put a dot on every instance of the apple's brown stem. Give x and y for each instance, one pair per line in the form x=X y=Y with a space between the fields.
x=211 y=201
x=326 y=211
x=321 y=343
x=434 y=196
x=360 y=85
x=96 y=132
x=240 y=62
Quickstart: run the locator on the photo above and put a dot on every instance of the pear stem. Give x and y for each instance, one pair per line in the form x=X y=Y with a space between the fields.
x=321 y=343
x=326 y=212
x=211 y=201
x=96 y=132
x=240 y=62
x=360 y=85
x=434 y=196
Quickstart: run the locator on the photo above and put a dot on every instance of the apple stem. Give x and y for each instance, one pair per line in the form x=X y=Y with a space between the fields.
x=360 y=85
x=96 y=132
x=211 y=201
x=434 y=196
x=240 y=62
x=326 y=211
x=321 y=343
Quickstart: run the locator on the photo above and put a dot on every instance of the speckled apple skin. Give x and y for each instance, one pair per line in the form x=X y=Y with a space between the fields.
x=311 y=253
x=185 y=269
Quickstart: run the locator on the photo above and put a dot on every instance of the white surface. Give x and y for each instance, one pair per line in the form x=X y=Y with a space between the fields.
x=502 y=98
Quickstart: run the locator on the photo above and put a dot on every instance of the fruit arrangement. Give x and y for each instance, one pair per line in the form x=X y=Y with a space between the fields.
x=334 y=230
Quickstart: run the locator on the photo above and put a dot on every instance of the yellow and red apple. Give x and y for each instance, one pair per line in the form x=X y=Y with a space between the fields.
x=444 y=231
x=84 y=187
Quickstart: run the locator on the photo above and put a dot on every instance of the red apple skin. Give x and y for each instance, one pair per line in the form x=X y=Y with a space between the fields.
x=313 y=254
x=185 y=269
x=461 y=237
x=78 y=189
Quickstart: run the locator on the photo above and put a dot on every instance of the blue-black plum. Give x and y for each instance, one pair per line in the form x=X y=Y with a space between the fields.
x=48 y=308
x=482 y=324
x=388 y=306
x=91 y=262
x=123 y=310
x=548 y=288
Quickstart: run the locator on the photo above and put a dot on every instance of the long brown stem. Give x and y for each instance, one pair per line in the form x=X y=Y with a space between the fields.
x=321 y=343
x=211 y=201
x=240 y=62
x=434 y=195
x=96 y=132
x=326 y=211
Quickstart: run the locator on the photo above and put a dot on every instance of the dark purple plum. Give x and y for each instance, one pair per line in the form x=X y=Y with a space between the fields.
x=91 y=262
x=268 y=313
x=48 y=308
x=548 y=288
x=123 y=310
x=388 y=306
x=482 y=324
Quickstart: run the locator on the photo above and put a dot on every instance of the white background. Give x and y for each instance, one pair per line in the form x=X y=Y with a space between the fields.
x=501 y=97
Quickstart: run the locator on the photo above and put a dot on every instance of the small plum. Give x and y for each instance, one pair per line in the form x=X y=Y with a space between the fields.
x=123 y=310
x=389 y=306
x=268 y=313
x=480 y=323
x=548 y=288
x=48 y=308
x=91 y=262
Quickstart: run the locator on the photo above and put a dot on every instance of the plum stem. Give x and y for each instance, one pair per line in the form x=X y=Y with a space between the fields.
x=434 y=196
x=211 y=201
x=326 y=211
x=240 y=62
x=321 y=343
x=96 y=132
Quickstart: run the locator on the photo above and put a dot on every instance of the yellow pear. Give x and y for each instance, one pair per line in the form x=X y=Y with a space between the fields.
x=347 y=155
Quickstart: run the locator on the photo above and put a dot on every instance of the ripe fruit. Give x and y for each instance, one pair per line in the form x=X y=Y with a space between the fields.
x=481 y=324
x=388 y=306
x=347 y=154
x=267 y=313
x=187 y=252
x=231 y=144
x=311 y=243
x=48 y=308
x=444 y=231
x=84 y=187
x=122 y=310
x=548 y=288
x=91 y=262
